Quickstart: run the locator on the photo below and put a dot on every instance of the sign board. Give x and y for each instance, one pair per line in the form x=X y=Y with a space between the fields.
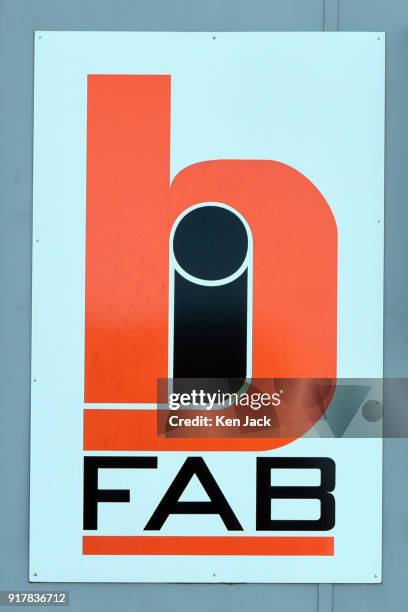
x=208 y=218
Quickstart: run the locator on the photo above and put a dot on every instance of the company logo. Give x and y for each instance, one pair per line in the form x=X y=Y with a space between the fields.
x=228 y=270
x=139 y=224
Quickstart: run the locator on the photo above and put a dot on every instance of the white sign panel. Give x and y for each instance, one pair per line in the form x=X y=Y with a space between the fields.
x=208 y=208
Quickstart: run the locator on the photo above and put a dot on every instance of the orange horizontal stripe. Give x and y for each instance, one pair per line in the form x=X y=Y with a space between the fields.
x=126 y=430
x=213 y=545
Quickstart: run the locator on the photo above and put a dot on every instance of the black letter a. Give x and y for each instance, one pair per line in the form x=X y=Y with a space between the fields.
x=170 y=503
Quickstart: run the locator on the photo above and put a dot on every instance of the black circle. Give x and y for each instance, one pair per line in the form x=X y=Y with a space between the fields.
x=210 y=242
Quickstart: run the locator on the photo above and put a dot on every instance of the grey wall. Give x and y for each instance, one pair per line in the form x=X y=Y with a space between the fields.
x=18 y=20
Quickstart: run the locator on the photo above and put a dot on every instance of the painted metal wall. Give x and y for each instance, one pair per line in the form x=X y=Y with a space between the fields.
x=18 y=20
